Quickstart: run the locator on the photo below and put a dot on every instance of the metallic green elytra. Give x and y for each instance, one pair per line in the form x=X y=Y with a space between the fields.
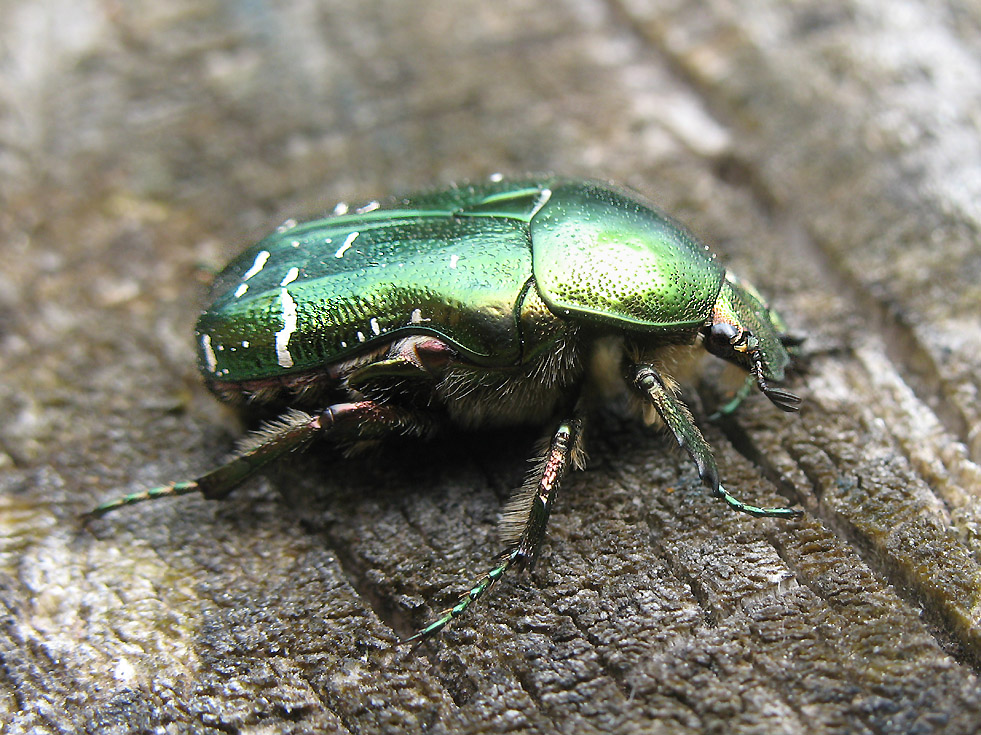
x=485 y=304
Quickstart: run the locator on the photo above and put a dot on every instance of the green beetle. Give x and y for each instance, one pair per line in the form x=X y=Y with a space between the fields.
x=479 y=305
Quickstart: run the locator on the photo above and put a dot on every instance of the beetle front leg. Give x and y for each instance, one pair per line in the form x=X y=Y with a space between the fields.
x=289 y=433
x=525 y=519
x=678 y=419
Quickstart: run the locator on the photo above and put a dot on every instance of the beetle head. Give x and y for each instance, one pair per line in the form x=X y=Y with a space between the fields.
x=742 y=330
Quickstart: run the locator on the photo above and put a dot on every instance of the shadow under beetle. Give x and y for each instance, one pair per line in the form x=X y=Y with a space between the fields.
x=485 y=304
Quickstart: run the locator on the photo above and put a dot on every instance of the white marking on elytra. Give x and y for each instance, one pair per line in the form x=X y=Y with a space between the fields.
x=369 y=207
x=374 y=326
x=360 y=337
x=240 y=291
x=542 y=201
x=416 y=317
x=209 y=353
x=454 y=259
x=283 y=356
x=290 y=276
x=260 y=262
x=348 y=242
x=245 y=343
x=340 y=208
x=496 y=177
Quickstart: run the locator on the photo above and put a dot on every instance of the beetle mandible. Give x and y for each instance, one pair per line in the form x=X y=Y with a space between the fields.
x=478 y=305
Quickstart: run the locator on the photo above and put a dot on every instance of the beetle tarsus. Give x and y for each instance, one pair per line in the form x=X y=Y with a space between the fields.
x=755 y=510
x=292 y=431
x=174 y=489
x=476 y=592
x=730 y=406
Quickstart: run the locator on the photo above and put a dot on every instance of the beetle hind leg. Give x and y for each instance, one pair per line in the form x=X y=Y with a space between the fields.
x=173 y=489
x=525 y=519
x=289 y=433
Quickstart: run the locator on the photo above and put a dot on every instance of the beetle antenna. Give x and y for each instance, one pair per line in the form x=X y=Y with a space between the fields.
x=782 y=399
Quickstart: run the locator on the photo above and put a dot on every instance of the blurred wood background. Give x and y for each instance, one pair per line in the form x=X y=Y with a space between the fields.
x=829 y=151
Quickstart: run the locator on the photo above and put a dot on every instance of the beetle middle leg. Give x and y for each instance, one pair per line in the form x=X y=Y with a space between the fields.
x=729 y=407
x=525 y=518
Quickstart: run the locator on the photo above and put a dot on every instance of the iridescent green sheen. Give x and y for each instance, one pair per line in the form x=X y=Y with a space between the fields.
x=455 y=264
x=746 y=308
x=603 y=256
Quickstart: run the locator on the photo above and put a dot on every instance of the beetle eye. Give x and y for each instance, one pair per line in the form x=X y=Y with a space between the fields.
x=730 y=342
x=723 y=333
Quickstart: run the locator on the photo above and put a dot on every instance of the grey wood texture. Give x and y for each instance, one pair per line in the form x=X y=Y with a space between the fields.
x=829 y=151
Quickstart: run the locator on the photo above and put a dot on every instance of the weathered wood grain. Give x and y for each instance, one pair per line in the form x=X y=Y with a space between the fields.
x=829 y=151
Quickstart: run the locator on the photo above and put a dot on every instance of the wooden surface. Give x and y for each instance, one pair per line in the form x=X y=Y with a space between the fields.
x=830 y=151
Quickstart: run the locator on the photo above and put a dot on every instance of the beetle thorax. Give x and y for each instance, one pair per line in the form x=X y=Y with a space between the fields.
x=677 y=364
x=526 y=394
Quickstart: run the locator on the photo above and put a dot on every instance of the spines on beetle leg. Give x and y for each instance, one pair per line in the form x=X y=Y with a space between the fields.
x=290 y=432
x=514 y=517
